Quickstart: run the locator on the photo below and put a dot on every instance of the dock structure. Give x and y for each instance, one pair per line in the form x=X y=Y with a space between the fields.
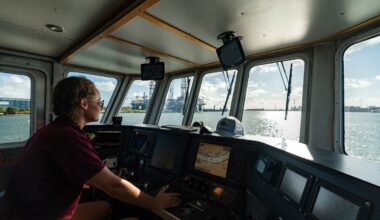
x=15 y=102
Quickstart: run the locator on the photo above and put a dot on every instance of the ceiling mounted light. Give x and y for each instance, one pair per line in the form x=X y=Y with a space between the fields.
x=54 y=27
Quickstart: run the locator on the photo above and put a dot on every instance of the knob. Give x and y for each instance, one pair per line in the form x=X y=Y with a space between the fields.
x=146 y=185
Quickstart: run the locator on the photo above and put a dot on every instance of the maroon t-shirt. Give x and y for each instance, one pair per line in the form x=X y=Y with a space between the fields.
x=48 y=179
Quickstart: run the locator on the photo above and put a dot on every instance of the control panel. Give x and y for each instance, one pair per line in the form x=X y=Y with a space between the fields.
x=227 y=178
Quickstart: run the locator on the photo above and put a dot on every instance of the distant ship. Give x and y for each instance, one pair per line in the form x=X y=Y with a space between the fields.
x=140 y=102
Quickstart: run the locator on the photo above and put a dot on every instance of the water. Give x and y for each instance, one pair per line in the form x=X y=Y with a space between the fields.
x=14 y=128
x=362 y=133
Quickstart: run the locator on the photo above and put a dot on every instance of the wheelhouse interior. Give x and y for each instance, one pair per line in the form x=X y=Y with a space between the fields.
x=307 y=96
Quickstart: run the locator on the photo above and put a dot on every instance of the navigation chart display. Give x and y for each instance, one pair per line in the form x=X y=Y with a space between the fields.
x=213 y=159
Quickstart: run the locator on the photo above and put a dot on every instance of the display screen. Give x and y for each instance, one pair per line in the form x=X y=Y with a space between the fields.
x=293 y=185
x=142 y=142
x=152 y=71
x=231 y=53
x=330 y=206
x=213 y=159
x=168 y=152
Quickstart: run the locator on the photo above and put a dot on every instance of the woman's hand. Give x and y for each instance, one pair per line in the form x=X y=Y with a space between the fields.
x=165 y=200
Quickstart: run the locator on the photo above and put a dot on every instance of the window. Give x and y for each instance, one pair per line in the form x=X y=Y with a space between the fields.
x=177 y=98
x=136 y=102
x=362 y=99
x=15 y=107
x=266 y=98
x=212 y=97
x=105 y=85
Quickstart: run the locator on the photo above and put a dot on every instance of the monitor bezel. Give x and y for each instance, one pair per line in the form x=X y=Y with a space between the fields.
x=153 y=135
x=157 y=65
x=236 y=41
x=364 y=206
x=179 y=161
x=309 y=181
x=269 y=174
x=227 y=180
x=203 y=142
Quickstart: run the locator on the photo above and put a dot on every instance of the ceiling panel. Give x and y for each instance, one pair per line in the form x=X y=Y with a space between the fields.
x=36 y=42
x=109 y=55
x=153 y=36
x=265 y=25
x=28 y=19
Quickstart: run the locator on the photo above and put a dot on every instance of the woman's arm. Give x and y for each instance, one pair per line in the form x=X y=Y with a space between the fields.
x=125 y=191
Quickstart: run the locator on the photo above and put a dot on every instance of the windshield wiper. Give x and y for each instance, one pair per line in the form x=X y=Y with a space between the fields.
x=289 y=80
x=186 y=95
x=289 y=90
x=228 y=90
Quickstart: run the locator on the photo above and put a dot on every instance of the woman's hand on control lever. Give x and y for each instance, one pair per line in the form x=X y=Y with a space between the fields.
x=165 y=200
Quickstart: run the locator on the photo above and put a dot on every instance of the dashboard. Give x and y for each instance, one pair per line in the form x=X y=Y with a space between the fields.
x=241 y=178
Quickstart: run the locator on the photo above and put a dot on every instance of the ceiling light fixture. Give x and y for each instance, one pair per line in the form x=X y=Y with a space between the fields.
x=54 y=27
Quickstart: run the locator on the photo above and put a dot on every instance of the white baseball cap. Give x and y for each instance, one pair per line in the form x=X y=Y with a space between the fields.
x=229 y=127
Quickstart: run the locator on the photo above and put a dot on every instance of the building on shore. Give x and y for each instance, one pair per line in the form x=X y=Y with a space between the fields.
x=14 y=102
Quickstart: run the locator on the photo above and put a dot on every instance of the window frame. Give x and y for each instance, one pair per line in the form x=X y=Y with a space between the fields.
x=342 y=47
x=131 y=79
x=197 y=90
x=38 y=107
x=165 y=93
x=305 y=114
x=111 y=103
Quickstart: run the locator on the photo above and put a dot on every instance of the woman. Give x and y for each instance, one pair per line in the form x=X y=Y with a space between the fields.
x=58 y=159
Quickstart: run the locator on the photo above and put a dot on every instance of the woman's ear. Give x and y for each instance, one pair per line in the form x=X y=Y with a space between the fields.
x=83 y=104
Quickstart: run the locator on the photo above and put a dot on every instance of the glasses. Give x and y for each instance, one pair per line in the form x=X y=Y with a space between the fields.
x=100 y=102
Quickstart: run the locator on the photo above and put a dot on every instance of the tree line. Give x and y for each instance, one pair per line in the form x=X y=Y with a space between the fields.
x=11 y=110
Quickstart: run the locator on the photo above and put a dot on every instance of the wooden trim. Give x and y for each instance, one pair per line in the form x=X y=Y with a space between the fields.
x=176 y=30
x=132 y=9
x=150 y=50
x=87 y=69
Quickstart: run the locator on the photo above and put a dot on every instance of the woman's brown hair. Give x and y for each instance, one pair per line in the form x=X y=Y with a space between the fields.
x=68 y=93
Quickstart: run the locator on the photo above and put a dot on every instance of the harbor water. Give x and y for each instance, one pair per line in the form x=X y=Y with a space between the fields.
x=362 y=133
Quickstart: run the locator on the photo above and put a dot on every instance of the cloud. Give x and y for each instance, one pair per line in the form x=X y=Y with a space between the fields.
x=267 y=68
x=355 y=83
x=14 y=86
x=272 y=67
x=255 y=93
x=105 y=86
x=297 y=92
x=362 y=102
x=362 y=45
x=377 y=77
x=214 y=93
x=254 y=84
x=142 y=83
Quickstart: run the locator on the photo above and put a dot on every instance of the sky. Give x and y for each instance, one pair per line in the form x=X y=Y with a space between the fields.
x=265 y=87
x=362 y=74
x=14 y=86
x=214 y=89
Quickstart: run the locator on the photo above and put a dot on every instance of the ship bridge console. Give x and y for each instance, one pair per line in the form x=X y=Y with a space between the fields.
x=241 y=178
